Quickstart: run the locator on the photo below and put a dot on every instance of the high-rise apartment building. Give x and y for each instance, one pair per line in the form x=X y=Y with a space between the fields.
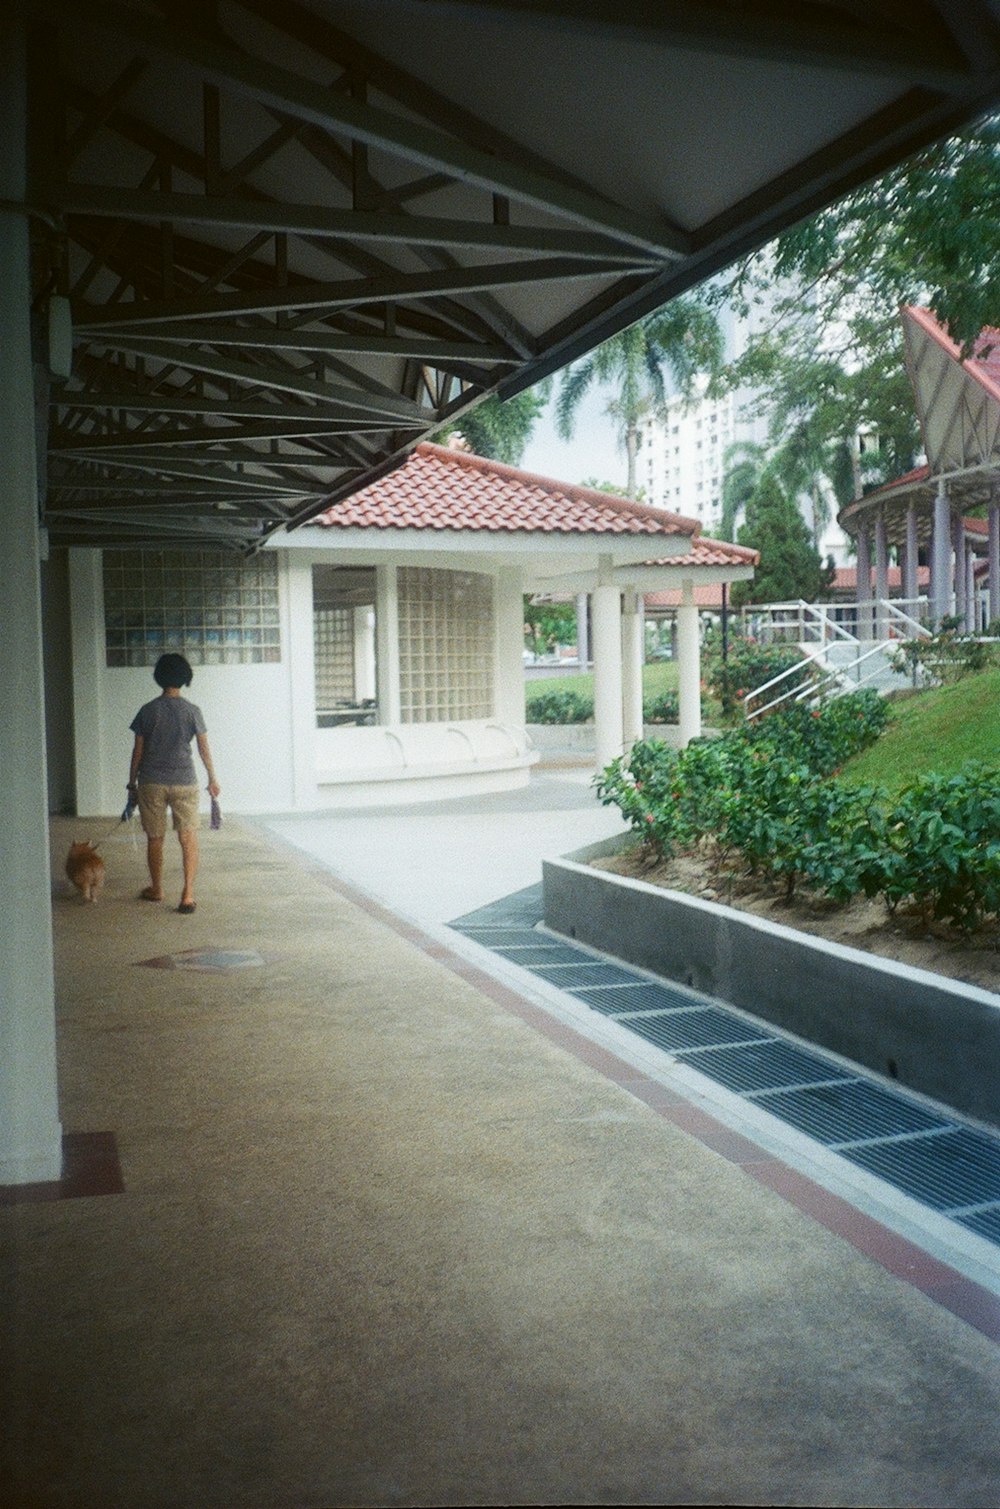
x=683 y=456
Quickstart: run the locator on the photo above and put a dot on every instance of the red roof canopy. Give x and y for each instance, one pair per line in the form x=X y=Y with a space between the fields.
x=451 y=490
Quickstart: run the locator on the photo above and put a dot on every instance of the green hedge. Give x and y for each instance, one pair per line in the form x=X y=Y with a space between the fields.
x=767 y=796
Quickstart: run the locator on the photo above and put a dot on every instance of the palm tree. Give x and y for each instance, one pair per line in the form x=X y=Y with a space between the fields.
x=499 y=428
x=745 y=463
x=683 y=337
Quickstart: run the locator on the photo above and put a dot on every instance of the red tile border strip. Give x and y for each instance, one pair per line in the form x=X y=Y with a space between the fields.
x=90 y=1167
x=943 y=1285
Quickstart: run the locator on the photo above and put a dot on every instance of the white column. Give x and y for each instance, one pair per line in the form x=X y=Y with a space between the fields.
x=30 y=1134
x=971 y=606
x=994 y=574
x=96 y=790
x=881 y=574
x=608 y=724
x=296 y=576
x=582 y=630
x=864 y=589
x=941 y=568
x=958 y=548
x=911 y=557
x=364 y=653
x=688 y=666
x=508 y=699
x=633 y=631
x=387 y=644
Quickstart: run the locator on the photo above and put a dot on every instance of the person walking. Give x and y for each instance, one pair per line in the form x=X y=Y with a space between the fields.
x=162 y=774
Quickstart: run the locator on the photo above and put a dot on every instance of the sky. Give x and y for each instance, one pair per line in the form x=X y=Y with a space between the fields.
x=592 y=453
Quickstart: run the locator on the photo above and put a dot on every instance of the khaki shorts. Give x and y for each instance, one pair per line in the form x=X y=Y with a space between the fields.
x=154 y=800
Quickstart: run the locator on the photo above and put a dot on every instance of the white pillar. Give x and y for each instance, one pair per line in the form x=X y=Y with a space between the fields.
x=296 y=575
x=911 y=557
x=387 y=644
x=688 y=667
x=994 y=574
x=881 y=574
x=608 y=723
x=582 y=630
x=30 y=1134
x=508 y=600
x=364 y=653
x=971 y=606
x=864 y=588
x=941 y=568
x=633 y=631
x=958 y=549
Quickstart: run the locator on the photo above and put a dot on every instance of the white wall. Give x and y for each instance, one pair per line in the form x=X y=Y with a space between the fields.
x=247 y=710
x=269 y=755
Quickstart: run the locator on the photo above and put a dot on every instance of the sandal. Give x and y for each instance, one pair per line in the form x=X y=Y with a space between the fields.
x=150 y=895
x=186 y=908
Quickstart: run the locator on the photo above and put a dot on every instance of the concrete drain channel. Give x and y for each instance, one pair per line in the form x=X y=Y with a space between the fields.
x=944 y=1165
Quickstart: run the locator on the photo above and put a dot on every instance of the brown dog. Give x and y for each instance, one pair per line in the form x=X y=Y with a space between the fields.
x=85 y=868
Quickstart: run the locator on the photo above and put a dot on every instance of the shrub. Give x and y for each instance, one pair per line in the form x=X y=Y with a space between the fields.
x=823 y=737
x=662 y=709
x=747 y=667
x=765 y=794
x=947 y=655
x=559 y=707
x=944 y=845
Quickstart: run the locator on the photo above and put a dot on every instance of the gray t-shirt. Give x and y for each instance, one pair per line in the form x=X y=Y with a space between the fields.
x=167 y=726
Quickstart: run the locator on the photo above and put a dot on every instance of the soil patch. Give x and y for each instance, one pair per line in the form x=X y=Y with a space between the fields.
x=973 y=959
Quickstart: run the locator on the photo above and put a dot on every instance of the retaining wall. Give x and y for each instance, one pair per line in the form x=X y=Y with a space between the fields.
x=930 y=1033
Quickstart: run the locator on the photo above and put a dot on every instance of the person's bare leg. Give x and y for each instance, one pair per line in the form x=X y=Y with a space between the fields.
x=189 y=854
x=154 y=859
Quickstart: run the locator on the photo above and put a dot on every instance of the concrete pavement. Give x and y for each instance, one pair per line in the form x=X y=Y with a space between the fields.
x=389 y=1235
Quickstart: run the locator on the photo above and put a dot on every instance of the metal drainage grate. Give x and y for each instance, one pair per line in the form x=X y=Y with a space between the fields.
x=503 y=937
x=539 y=953
x=945 y=1171
x=640 y=995
x=949 y=1168
x=985 y=1222
x=692 y=1029
x=850 y=1112
x=763 y=1066
x=520 y=909
x=574 y=976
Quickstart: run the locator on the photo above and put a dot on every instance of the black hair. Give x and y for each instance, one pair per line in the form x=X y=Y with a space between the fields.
x=172 y=671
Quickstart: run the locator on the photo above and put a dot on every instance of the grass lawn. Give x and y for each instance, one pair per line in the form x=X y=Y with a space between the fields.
x=657 y=677
x=935 y=730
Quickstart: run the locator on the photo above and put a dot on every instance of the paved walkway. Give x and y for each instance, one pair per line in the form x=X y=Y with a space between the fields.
x=392 y=1230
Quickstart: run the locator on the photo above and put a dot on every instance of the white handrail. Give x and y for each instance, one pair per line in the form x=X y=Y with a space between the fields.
x=814 y=687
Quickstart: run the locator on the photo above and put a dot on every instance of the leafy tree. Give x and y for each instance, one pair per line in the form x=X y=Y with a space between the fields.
x=683 y=338
x=547 y=624
x=790 y=566
x=638 y=496
x=829 y=363
x=500 y=430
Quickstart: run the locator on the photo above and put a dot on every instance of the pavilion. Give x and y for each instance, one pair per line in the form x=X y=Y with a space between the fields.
x=926 y=513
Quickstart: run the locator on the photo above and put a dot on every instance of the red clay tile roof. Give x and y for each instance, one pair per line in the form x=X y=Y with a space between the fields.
x=706 y=595
x=845 y=578
x=438 y=488
x=983 y=364
x=706 y=552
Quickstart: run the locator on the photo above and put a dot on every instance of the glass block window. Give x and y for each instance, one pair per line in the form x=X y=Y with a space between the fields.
x=333 y=642
x=212 y=607
x=344 y=645
x=446 y=642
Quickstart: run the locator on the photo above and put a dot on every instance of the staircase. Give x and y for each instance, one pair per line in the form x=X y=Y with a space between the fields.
x=844 y=647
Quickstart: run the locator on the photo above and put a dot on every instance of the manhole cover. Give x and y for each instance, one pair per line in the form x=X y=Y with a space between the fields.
x=207 y=960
